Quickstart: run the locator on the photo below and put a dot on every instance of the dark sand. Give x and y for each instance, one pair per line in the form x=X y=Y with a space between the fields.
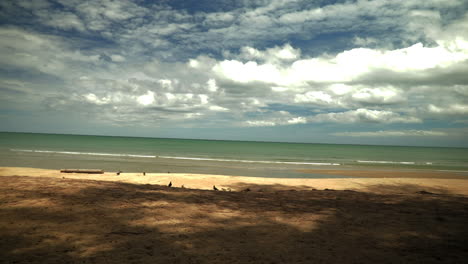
x=62 y=220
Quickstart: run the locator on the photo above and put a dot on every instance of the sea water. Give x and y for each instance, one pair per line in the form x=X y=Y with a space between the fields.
x=262 y=159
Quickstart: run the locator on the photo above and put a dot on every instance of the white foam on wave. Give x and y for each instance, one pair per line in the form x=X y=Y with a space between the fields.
x=84 y=153
x=252 y=161
x=387 y=162
x=175 y=157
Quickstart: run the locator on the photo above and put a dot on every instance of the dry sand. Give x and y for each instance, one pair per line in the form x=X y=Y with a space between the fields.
x=49 y=217
x=380 y=181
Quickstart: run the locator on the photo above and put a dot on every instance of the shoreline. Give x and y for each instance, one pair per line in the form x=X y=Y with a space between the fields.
x=375 y=181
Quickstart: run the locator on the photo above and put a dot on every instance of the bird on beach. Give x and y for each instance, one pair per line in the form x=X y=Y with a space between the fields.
x=118 y=173
x=214 y=188
x=170 y=184
x=144 y=173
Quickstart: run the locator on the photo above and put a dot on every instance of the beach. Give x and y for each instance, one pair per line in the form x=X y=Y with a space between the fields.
x=52 y=217
x=379 y=181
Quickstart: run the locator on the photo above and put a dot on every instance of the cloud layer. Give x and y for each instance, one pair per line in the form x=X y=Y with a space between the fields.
x=376 y=64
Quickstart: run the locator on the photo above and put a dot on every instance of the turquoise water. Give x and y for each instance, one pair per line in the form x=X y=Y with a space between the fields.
x=212 y=156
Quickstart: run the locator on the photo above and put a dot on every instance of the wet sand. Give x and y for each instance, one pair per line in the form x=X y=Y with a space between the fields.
x=49 y=217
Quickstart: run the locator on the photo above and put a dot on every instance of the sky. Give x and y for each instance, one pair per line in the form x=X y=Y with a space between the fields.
x=348 y=72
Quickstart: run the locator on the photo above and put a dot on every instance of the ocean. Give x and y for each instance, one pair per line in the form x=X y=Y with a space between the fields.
x=245 y=158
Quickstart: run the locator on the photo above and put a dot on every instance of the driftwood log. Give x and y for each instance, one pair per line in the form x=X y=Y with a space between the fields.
x=82 y=171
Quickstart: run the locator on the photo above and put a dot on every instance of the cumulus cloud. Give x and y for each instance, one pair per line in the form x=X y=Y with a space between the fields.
x=146 y=99
x=297 y=120
x=379 y=95
x=452 y=109
x=203 y=85
x=317 y=97
x=92 y=98
x=346 y=66
x=276 y=54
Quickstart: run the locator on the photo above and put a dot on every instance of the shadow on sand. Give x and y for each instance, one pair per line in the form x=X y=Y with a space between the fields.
x=80 y=221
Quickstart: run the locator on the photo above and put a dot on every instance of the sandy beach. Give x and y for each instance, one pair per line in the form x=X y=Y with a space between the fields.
x=400 y=217
x=379 y=181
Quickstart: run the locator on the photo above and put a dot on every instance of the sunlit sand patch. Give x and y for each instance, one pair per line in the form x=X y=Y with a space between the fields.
x=176 y=217
x=303 y=223
x=39 y=202
x=156 y=204
x=83 y=244
x=78 y=244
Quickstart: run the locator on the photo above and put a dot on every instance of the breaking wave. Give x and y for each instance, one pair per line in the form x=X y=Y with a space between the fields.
x=84 y=153
x=175 y=157
x=253 y=161
x=388 y=162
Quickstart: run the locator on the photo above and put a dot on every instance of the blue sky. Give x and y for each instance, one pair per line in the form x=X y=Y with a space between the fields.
x=365 y=72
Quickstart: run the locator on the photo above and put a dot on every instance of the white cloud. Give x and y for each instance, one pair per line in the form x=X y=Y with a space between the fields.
x=364 y=115
x=317 y=97
x=297 y=120
x=381 y=95
x=353 y=116
x=260 y=123
x=393 y=133
x=212 y=87
x=364 y=42
x=248 y=72
x=203 y=98
x=451 y=109
x=275 y=54
x=44 y=53
x=204 y=85
x=218 y=108
x=340 y=89
x=193 y=115
x=279 y=88
x=117 y=58
x=113 y=10
x=302 y=16
x=344 y=67
x=61 y=20
x=146 y=99
x=92 y=98
x=219 y=19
